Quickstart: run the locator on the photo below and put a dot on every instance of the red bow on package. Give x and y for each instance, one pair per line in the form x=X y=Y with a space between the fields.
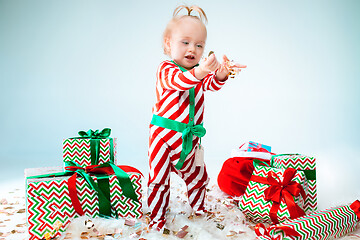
x=355 y=206
x=260 y=230
x=279 y=190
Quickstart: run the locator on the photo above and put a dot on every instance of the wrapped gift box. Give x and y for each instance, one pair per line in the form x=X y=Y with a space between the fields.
x=267 y=200
x=308 y=166
x=254 y=147
x=320 y=225
x=48 y=202
x=253 y=150
x=90 y=148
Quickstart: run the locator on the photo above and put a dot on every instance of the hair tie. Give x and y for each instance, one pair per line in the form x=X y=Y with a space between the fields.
x=202 y=15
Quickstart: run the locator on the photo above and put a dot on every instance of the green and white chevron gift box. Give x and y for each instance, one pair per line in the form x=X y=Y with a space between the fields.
x=90 y=148
x=321 y=225
x=50 y=208
x=273 y=195
x=308 y=166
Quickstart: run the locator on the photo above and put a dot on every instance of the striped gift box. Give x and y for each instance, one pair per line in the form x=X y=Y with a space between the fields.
x=79 y=151
x=308 y=166
x=254 y=204
x=327 y=224
x=48 y=201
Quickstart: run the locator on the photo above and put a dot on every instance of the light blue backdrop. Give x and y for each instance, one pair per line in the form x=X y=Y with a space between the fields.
x=67 y=66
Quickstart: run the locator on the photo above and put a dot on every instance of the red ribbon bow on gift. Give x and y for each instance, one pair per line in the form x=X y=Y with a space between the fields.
x=266 y=231
x=279 y=190
x=91 y=169
x=101 y=169
x=355 y=206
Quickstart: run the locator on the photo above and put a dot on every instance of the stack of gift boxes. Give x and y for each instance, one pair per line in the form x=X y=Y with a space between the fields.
x=282 y=199
x=89 y=184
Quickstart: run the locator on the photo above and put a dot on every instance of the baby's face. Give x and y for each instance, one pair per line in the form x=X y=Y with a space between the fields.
x=187 y=42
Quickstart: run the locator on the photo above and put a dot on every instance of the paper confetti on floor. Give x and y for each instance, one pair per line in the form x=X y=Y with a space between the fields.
x=224 y=220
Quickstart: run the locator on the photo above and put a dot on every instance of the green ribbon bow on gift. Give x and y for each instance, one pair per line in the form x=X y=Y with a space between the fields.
x=95 y=138
x=96 y=134
x=102 y=172
x=108 y=169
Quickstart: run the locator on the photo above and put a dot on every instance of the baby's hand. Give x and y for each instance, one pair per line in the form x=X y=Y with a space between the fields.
x=210 y=64
x=223 y=70
x=206 y=66
x=228 y=68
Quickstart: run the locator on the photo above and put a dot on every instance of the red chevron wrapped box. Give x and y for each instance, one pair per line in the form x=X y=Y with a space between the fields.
x=273 y=195
x=89 y=151
x=319 y=225
x=50 y=206
x=308 y=166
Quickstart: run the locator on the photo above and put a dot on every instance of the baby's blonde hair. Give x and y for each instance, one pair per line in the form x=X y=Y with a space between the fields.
x=176 y=19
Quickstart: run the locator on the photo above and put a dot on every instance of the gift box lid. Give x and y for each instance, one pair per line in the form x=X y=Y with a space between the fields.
x=31 y=172
x=294 y=160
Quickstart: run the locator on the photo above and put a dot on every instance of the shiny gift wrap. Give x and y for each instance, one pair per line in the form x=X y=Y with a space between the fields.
x=49 y=204
x=273 y=195
x=255 y=147
x=308 y=166
x=90 y=148
x=254 y=150
x=320 y=225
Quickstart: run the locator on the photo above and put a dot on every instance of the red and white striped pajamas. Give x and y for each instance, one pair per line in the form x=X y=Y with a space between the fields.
x=165 y=145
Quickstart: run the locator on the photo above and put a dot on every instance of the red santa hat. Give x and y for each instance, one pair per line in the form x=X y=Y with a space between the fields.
x=235 y=174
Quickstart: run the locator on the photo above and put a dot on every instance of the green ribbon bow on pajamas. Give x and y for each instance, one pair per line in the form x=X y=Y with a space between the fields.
x=188 y=130
x=187 y=145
